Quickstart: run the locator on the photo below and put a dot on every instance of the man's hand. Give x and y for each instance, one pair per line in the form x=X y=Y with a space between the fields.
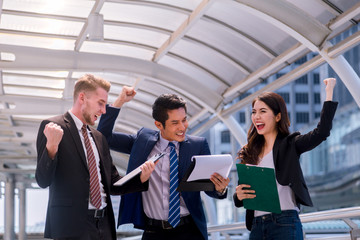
x=53 y=134
x=127 y=93
x=146 y=169
x=219 y=182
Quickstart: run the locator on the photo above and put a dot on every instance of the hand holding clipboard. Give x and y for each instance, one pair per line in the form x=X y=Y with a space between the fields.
x=262 y=180
x=137 y=170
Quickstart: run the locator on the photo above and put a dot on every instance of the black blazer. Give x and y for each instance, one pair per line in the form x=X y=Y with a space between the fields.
x=67 y=177
x=286 y=155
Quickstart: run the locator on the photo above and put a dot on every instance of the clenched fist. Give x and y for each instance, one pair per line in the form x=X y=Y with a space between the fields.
x=53 y=134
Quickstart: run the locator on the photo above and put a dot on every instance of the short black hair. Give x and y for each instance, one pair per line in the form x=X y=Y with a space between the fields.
x=164 y=103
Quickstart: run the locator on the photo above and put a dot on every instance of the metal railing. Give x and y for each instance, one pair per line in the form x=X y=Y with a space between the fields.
x=344 y=214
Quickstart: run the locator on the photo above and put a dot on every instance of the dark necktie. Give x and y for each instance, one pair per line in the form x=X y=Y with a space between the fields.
x=95 y=196
x=174 y=198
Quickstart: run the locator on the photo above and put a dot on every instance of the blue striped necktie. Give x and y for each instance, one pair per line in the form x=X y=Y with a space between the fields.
x=174 y=198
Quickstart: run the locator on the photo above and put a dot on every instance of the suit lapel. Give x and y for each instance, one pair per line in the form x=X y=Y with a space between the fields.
x=74 y=132
x=150 y=143
x=139 y=157
x=184 y=151
x=276 y=148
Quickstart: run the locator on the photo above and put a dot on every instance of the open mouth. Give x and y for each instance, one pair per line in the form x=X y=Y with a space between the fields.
x=260 y=126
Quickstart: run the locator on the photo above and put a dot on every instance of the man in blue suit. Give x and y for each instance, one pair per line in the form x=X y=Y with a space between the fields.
x=150 y=210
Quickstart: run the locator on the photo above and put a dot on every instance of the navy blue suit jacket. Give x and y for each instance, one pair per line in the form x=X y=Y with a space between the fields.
x=139 y=146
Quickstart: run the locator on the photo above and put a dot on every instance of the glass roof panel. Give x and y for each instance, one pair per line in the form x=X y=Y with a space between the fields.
x=315 y=9
x=213 y=61
x=40 y=25
x=78 y=8
x=33 y=117
x=228 y=41
x=344 y=4
x=135 y=35
x=143 y=15
x=18 y=90
x=113 y=78
x=187 y=4
x=34 y=41
x=116 y=49
x=33 y=81
x=194 y=72
x=233 y=14
x=63 y=74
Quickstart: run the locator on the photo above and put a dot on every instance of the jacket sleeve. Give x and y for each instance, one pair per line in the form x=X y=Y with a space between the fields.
x=117 y=141
x=313 y=138
x=45 y=168
x=131 y=186
x=237 y=202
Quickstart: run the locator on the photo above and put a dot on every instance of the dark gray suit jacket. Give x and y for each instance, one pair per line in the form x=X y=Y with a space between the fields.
x=67 y=177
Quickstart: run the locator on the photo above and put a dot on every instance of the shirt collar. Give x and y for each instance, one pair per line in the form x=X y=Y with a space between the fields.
x=77 y=121
x=164 y=143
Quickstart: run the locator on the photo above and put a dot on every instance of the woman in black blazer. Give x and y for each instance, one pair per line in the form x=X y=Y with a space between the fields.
x=271 y=145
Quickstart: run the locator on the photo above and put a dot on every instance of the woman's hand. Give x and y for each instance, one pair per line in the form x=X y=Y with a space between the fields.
x=243 y=191
x=329 y=89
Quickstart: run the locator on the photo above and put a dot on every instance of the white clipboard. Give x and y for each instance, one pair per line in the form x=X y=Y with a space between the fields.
x=137 y=170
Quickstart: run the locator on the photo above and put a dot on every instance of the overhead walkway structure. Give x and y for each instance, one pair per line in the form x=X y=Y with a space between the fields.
x=210 y=52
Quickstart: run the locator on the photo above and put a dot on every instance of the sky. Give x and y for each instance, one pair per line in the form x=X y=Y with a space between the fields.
x=36 y=205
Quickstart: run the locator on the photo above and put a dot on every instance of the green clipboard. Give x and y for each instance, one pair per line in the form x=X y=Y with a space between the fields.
x=262 y=180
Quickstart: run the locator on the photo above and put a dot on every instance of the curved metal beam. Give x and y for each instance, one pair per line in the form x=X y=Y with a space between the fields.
x=84 y=31
x=182 y=29
x=30 y=58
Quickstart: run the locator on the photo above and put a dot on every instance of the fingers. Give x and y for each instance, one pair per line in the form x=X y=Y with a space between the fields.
x=329 y=89
x=243 y=191
x=128 y=91
x=330 y=82
x=146 y=169
x=53 y=132
x=219 y=182
x=148 y=166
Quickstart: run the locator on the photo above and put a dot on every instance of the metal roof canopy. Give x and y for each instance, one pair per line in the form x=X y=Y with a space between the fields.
x=207 y=51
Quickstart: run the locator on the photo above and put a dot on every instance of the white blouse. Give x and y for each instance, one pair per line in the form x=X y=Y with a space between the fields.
x=286 y=195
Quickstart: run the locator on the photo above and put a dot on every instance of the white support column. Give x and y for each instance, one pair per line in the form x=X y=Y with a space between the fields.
x=9 y=233
x=345 y=72
x=210 y=209
x=235 y=129
x=22 y=211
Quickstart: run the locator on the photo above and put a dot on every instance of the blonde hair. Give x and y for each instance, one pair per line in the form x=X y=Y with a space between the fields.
x=89 y=83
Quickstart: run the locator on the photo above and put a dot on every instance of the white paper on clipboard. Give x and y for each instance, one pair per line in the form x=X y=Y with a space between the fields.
x=206 y=165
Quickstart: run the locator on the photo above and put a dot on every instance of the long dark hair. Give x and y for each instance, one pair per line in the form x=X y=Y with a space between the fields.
x=251 y=151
